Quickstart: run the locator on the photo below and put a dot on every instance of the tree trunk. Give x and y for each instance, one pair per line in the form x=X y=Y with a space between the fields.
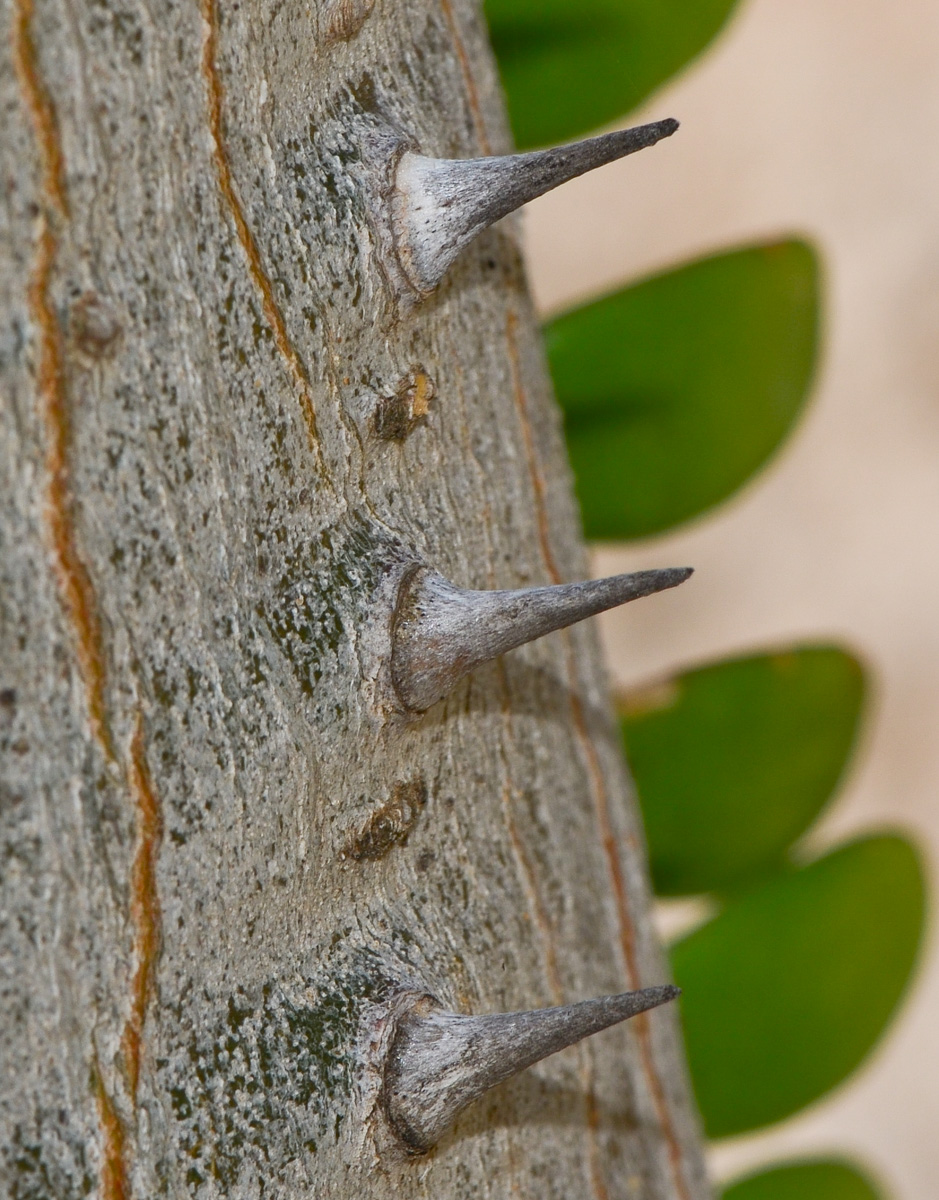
x=226 y=435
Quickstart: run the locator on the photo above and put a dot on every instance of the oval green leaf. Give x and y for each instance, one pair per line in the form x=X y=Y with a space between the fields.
x=569 y=66
x=787 y=990
x=818 y=1180
x=733 y=762
x=676 y=390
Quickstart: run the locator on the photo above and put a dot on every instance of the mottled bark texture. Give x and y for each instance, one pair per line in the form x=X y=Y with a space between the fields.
x=225 y=850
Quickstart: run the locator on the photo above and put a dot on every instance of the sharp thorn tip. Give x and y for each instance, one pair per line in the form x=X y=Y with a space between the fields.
x=442 y=204
x=440 y=1062
x=441 y=632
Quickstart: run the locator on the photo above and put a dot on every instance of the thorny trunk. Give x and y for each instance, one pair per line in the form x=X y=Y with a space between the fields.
x=223 y=844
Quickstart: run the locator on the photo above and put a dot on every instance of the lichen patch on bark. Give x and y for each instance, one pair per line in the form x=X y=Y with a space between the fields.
x=269 y=1075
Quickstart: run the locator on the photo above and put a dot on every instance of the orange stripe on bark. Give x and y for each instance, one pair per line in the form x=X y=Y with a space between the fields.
x=262 y=281
x=40 y=106
x=627 y=932
x=469 y=82
x=144 y=903
x=113 y=1175
x=74 y=581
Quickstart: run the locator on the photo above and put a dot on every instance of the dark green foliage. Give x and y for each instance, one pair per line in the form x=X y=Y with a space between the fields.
x=676 y=390
x=788 y=989
x=821 y=1180
x=734 y=761
x=569 y=66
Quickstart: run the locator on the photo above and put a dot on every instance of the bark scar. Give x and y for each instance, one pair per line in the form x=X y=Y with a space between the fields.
x=627 y=930
x=260 y=277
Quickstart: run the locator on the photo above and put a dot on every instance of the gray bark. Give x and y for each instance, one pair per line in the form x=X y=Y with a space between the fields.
x=224 y=848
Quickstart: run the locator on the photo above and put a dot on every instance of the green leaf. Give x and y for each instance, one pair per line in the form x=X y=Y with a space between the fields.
x=787 y=990
x=734 y=761
x=820 y=1180
x=676 y=390
x=570 y=65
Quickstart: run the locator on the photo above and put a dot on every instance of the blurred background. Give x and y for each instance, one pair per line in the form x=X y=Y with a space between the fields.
x=814 y=118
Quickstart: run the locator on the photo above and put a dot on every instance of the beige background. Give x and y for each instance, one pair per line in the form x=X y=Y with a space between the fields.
x=815 y=116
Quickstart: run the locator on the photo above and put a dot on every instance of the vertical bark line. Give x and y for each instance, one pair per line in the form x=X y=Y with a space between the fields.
x=469 y=80
x=40 y=106
x=529 y=875
x=597 y=1180
x=74 y=580
x=77 y=590
x=597 y=786
x=534 y=897
x=114 y=1183
x=544 y=540
x=75 y=584
x=534 y=470
x=262 y=281
x=144 y=903
x=551 y=956
x=627 y=932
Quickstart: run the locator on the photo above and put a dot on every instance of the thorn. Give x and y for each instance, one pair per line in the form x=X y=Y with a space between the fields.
x=441 y=632
x=441 y=204
x=440 y=1062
